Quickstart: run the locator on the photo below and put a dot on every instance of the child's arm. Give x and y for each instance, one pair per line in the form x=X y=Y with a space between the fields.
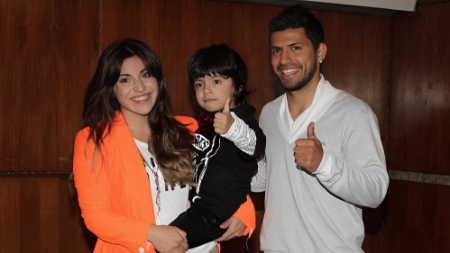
x=242 y=135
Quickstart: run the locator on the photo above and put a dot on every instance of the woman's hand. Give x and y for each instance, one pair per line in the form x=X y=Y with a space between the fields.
x=167 y=239
x=235 y=228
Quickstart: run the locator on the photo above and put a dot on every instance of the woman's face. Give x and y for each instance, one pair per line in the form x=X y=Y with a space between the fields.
x=135 y=90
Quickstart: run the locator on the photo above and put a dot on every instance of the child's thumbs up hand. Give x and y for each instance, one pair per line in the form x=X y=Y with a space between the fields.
x=223 y=120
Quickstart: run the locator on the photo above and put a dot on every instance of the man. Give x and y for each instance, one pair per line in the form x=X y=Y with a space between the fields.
x=324 y=157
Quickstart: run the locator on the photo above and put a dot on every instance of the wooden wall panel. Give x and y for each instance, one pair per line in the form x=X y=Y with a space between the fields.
x=9 y=216
x=185 y=28
x=245 y=28
x=417 y=218
x=134 y=19
x=419 y=118
x=37 y=215
x=419 y=121
x=46 y=48
x=358 y=58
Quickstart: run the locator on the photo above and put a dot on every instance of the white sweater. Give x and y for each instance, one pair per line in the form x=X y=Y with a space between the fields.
x=320 y=213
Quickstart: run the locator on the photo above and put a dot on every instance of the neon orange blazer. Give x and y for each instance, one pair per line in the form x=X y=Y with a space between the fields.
x=114 y=193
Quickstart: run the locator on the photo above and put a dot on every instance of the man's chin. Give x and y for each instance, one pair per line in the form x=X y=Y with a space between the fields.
x=292 y=86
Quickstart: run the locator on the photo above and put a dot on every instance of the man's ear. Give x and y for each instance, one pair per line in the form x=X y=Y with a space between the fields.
x=321 y=52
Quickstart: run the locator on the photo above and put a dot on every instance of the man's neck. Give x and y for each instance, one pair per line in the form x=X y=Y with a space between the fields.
x=300 y=100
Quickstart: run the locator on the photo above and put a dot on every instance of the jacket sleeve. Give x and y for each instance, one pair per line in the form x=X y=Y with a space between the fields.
x=94 y=196
x=190 y=123
x=246 y=213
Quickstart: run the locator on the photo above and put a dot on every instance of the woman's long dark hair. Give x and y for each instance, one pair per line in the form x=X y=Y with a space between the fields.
x=170 y=141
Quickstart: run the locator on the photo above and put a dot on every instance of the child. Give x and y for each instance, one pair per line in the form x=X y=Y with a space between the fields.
x=226 y=146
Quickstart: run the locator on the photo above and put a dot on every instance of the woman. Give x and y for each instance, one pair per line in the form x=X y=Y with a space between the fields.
x=131 y=166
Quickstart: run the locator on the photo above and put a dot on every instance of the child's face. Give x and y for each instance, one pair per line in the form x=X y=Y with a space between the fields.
x=213 y=91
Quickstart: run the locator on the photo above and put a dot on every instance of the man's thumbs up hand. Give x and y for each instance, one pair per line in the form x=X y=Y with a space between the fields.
x=308 y=153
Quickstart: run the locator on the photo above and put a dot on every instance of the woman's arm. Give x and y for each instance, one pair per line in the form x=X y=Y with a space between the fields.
x=94 y=197
x=242 y=222
x=167 y=239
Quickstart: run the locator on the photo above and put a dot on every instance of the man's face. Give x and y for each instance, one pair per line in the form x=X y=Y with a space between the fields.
x=294 y=59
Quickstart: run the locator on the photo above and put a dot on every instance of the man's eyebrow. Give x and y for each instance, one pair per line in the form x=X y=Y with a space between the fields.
x=289 y=45
x=295 y=43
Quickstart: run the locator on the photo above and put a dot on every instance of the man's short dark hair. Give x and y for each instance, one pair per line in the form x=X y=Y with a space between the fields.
x=299 y=17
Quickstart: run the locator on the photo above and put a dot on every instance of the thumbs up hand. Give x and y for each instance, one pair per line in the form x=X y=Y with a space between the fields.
x=223 y=120
x=308 y=152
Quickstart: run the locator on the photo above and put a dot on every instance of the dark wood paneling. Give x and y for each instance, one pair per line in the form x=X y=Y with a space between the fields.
x=419 y=118
x=134 y=19
x=358 y=58
x=9 y=215
x=417 y=218
x=46 y=47
x=185 y=29
x=38 y=215
x=419 y=121
x=245 y=28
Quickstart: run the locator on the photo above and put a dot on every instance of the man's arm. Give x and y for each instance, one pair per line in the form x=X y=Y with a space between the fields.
x=359 y=175
x=259 y=180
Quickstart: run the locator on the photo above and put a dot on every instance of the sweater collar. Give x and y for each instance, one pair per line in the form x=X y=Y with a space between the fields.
x=295 y=129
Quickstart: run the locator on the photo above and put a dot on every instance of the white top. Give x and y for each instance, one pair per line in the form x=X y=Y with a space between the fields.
x=172 y=201
x=320 y=212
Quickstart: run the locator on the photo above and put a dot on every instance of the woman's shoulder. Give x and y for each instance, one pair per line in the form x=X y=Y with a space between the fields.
x=189 y=122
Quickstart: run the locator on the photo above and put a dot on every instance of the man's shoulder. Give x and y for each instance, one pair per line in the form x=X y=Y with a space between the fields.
x=350 y=100
x=348 y=104
x=273 y=105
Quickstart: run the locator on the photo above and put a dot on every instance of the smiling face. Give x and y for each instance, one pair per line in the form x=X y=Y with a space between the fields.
x=294 y=59
x=135 y=90
x=213 y=91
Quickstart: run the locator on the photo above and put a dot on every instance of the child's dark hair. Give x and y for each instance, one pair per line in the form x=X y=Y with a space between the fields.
x=299 y=17
x=220 y=60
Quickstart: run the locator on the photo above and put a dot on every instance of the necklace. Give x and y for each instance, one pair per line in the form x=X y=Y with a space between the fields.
x=154 y=169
